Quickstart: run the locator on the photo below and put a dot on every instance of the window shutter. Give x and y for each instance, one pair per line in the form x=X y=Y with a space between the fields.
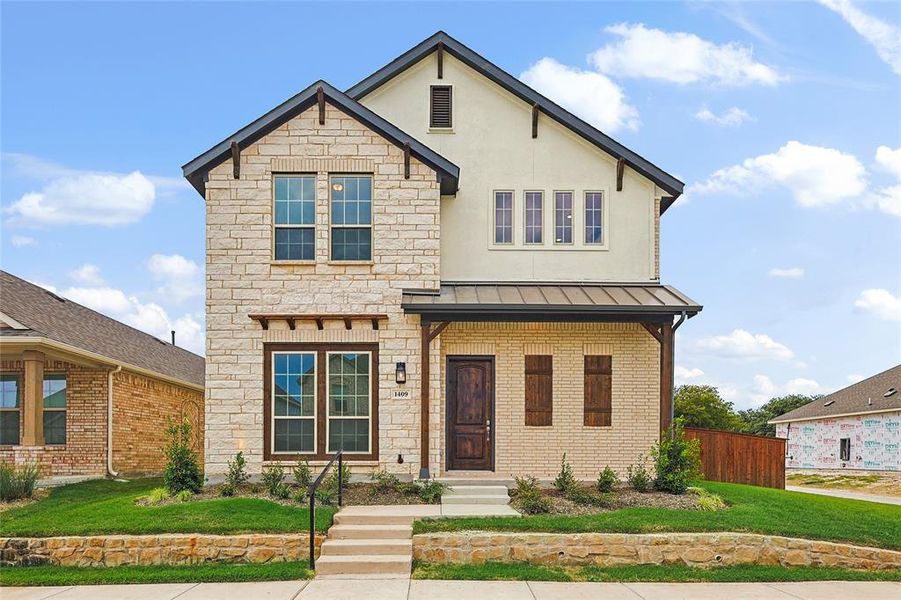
x=440 y=110
x=598 y=390
x=539 y=390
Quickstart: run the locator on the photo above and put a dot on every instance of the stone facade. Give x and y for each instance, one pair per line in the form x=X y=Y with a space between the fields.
x=170 y=549
x=521 y=450
x=613 y=549
x=243 y=279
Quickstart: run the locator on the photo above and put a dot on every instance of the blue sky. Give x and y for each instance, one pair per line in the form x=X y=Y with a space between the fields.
x=783 y=119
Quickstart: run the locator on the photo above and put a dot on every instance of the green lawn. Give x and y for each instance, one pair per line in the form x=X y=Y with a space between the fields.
x=47 y=575
x=752 y=509
x=106 y=506
x=527 y=572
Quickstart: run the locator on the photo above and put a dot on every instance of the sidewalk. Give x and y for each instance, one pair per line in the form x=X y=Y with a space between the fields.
x=845 y=494
x=398 y=589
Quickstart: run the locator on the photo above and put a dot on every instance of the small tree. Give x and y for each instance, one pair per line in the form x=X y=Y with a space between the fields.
x=565 y=478
x=182 y=471
x=677 y=460
x=236 y=476
x=607 y=480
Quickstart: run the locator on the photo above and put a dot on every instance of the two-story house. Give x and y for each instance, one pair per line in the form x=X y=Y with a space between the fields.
x=437 y=271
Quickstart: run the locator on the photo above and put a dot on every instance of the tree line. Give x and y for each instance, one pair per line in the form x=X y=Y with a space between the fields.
x=702 y=406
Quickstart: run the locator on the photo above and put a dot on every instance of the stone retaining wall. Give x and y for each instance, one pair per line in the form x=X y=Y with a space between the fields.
x=169 y=549
x=609 y=549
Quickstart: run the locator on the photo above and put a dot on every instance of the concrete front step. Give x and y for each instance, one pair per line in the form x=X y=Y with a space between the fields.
x=477 y=490
x=355 y=547
x=376 y=519
x=475 y=499
x=359 y=565
x=370 y=532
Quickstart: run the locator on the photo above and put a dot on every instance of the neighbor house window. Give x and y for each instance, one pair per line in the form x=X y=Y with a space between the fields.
x=441 y=107
x=295 y=217
x=294 y=402
x=845 y=449
x=593 y=215
x=349 y=396
x=563 y=217
x=503 y=217
x=598 y=391
x=534 y=217
x=54 y=409
x=539 y=390
x=9 y=409
x=351 y=209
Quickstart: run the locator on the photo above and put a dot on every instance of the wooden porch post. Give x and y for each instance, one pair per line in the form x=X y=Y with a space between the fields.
x=425 y=332
x=666 y=376
x=33 y=399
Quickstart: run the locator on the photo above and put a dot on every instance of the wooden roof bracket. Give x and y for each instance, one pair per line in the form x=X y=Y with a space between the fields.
x=236 y=160
x=319 y=319
x=534 y=120
x=433 y=333
x=406 y=160
x=654 y=330
x=320 y=100
x=440 y=60
x=620 y=169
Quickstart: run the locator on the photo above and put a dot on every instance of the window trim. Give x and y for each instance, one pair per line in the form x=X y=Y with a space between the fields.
x=329 y=417
x=573 y=213
x=512 y=217
x=525 y=218
x=18 y=409
x=603 y=214
x=438 y=129
x=332 y=226
x=274 y=226
x=272 y=416
x=320 y=348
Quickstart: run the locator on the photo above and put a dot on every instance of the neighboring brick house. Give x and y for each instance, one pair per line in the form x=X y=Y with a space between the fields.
x=437 y=271
x=82 y=394
x=855 y=428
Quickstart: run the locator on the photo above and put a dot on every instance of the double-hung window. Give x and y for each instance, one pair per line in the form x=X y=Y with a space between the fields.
x=503 y=217
x=9 y=410
x=534 y=217
x=594 y=233
x=294 y=402
x=349 y=399
x=295 y=217
x=351 y=217
x=54 y=409
x=563 y=217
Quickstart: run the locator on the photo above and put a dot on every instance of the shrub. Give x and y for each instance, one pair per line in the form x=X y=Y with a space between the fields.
x=155 y=496
x=638 y=477
x=707 y=501
x=281 y=491
x=430 y=490
x=300 y=496
x=529 y=498
x=332 y=479
x=274 y=480
x=565 y=478
x=408 y=488
x=303 y=476
x=237 y=473
x=676 y=460
x=607 y=480
x=327 y=492
x=228 y=490
x=384 y=481
x=587 y=497
x=182 y=471
x=16 y=483
x=526 y=486
x=184 y=495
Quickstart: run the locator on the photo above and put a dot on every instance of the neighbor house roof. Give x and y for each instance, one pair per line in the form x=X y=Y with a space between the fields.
x=868 y=396
x=550 y=302
x=516 y=87
x=40 y=314
x=196 y=170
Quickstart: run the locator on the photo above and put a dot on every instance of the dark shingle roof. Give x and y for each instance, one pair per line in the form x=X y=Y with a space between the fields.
x=862 y=397
x=47 y=315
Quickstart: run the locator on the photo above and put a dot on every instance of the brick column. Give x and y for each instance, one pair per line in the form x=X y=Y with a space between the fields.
x=33 y=399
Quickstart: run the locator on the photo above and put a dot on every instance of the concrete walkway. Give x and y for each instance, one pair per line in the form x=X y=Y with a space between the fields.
x=845 y=494
x=399 y=589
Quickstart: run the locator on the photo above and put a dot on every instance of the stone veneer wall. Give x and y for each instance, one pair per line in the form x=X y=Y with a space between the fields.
x=243 y=279
x=611 y=549
x=521 y=450
x=86 y=398
x=142 y=408
x=169 y=549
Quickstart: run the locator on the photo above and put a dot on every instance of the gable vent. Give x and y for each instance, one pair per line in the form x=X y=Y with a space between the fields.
x=440 y=112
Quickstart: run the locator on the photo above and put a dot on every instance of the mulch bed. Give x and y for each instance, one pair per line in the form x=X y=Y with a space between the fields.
x=622 y=497
x=39 y=494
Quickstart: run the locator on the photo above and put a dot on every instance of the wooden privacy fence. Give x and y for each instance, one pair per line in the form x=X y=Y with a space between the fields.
x=741 y=457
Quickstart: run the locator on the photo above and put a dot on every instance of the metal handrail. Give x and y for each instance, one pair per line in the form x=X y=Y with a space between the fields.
x=311 y=491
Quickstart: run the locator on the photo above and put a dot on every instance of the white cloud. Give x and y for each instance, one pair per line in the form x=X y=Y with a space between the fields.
x=87 y=274
x=889 y=160
x=763 y=388
x=731 y=117
x=178 y=276
x=20 y=241
x=789 y=273
x=888 y=198
x=744 y=345
x=685 y=375
x=884 y=37
x=679 y=58
x=590 y=95
x=881 y=303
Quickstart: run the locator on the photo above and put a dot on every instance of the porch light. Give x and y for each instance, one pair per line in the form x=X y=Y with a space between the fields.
x=400 y=372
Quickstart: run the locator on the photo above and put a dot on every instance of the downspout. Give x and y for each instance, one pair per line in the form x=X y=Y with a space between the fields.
x=672 y=405
x=109 y=422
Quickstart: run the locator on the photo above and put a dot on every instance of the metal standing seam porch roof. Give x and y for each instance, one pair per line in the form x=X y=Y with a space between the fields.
x=550 y=302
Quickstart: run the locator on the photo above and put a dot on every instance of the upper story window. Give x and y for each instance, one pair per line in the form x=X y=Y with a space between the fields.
x=295 y=217
x=594 y=233
x=9 y=410
x=55 y=409
x=440 y=107
x=351 y=210
x=563 y=217
x=503 y=217
x=534 y=218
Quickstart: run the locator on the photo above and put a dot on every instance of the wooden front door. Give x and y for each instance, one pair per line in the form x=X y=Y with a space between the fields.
x=470 y=411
